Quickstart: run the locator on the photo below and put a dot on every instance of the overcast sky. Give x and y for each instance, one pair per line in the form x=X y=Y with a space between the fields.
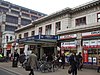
x=48 y=6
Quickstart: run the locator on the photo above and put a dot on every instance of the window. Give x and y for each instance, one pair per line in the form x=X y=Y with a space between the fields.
x=20 y=36
x=24 y=14
x=34 y=17
x=80 y=21
x=2 y=9
x=33 y=33
x=25 y=21
x=40 y=30
x=15 y=12
x=10 y=28
x=14 y=7
x=4 y=4
x=33 y=12
x=24 y=10
x=58 y=26
x=98 y=17
x=11 y=38
x=7 y=38
x=11 y=19
x=25 y=35
x=48 y=30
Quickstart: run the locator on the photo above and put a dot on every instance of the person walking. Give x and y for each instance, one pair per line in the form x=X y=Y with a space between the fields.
x=32 y=61
x=15 y=59
x=73 y=63
x=98 y=63
x=63 y=60
x=79 y=61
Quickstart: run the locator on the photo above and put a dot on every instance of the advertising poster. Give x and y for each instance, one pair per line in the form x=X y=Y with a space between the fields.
x=90 y=59
x=85 y=56
x=94 y=60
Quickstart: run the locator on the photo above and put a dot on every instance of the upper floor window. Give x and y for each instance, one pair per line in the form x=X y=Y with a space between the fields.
x=26 y=34
x=11 y=19
x=48 y=30
x=20 y=36
x=80 y=21
x=34 y=17
x=14 y=6
x=25 y=21
x=98 y=17
x=15 y=12
x=40 y=30
x=7 y=37
x=4 y=4
x=11 y=37
x=2 y=9
x=10 y=28
x=58 y=26
x=33 y=33
x=25 y=14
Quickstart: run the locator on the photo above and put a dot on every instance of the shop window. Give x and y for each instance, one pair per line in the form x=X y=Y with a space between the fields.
x=98 y=17
x=80 y=21
x=25 y=35
x=58 y=26
x=40 y=31
x=48 y=30
x=99 y=51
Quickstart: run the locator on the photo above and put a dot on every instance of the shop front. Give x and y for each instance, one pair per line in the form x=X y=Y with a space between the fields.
x=68 y=45
x=91 y=47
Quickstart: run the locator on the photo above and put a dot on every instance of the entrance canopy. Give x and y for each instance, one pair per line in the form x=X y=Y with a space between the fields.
x=39 y=39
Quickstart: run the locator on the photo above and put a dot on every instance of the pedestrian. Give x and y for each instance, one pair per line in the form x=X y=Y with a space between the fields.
x=79 y=61
x=15 y=59
x=98 y=63
x=22 y=58
x=73 y=63
x=63 y=60
x=32 y=61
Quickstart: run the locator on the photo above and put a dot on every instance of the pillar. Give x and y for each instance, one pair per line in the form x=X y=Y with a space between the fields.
x=41 y=52
x=79 y=44
x=5 y=52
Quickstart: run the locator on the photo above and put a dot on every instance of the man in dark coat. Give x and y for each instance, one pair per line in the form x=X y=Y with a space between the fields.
x=79 y=61
x=73 y=63
x=15 y=59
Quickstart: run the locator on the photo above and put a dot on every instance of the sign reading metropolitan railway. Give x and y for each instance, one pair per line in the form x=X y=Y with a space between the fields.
x=50 y=37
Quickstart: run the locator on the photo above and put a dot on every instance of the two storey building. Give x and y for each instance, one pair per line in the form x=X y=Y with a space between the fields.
x=78 y=30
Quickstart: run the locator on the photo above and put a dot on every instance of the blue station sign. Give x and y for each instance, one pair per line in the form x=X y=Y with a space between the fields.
x=35 y=37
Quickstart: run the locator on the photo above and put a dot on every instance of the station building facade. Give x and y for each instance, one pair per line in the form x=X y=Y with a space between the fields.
x=78 y=30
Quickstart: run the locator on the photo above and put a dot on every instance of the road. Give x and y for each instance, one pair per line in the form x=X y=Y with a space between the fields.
x=4 y=72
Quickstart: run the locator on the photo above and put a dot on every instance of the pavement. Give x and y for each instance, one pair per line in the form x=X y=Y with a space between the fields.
x=21 y=71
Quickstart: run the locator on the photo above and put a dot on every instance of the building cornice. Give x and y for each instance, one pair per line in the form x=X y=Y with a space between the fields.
x=86 y=6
